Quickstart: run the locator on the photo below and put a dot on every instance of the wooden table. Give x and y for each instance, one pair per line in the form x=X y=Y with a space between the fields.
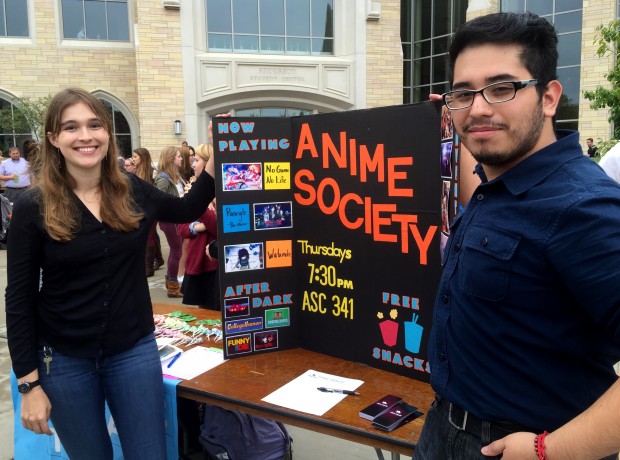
x=241 y=383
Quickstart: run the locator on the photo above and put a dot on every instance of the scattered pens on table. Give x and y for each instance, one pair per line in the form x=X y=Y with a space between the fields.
x=174 y=359
x=336 y=390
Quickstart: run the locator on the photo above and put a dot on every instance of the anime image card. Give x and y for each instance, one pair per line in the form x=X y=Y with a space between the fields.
x=446 y=123
x=445 y=200
x=239 y=306
x=269 y=216
x=242 y=176
x=446 y=160
x=241 y=257
x=266 y=340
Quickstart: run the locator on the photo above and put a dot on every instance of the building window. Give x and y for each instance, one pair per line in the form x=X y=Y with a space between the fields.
x=566 y=16
x=426 y=29
x=8 y=136
x=120 y=127
x=13 y=18
x=270 y=26
x=272 y=112
x=95 y=20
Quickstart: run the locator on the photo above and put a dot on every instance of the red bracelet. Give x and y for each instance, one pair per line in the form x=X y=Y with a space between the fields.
x=539 y=446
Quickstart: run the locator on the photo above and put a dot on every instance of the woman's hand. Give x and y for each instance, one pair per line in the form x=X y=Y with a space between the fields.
x=35 y=413
x=210 y=167
x=210 y=127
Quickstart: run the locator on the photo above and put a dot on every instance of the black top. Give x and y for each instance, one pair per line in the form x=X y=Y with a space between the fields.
x=94 y=296
x=592 y=151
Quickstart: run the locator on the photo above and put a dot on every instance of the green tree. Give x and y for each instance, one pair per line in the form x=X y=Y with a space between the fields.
x=27 y=115
x=608 y=40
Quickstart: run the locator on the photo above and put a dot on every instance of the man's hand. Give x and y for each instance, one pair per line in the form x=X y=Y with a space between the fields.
x=517 y=446
x=35 y=413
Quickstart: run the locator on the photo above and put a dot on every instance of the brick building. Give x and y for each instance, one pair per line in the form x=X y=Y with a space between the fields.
x=157 y=61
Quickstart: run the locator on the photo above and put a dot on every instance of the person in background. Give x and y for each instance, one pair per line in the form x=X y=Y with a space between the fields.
x=523 y=280
x=144 y=164
x=144 y=170
x=15 y=172
x=29 y=148
x=84 y=337
x=201 y=281
x=192 y=155
x=592 y=149
x=185 y=170
x=121 y=161
x=169 y=180
x=130 y=165
x=187 y=173
x=610 y=162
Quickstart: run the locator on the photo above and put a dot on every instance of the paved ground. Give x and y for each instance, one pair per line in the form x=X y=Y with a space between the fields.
x=306 y=444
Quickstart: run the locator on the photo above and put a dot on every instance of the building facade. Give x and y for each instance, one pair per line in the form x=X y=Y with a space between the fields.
x=154 y=62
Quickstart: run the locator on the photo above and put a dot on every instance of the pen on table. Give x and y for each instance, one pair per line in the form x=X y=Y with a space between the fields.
x=174 y=359
x=336 y=390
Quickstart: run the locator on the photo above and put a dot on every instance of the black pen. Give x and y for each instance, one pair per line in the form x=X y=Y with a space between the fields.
x=335 y=390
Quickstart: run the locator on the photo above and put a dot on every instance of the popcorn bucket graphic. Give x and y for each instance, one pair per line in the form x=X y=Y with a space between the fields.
x=413 y=335
x=389 y=331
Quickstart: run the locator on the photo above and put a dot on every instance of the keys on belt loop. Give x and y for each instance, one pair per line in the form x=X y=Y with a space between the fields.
x=462 y=428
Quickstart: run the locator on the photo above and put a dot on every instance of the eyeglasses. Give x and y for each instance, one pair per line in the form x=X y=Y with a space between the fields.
x=494 y=93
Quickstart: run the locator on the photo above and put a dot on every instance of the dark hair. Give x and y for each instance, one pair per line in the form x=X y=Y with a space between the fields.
x=590 y=139
x=534 y=34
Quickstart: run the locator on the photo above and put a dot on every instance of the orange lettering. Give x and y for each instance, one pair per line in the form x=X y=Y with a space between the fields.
x=379 y=221
x=306 y=142
x=394 y=175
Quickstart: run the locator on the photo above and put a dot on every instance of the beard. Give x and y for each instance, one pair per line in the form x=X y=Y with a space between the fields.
x=523 y=137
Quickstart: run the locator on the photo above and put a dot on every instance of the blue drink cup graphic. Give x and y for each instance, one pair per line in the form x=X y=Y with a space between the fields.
x=413 y=335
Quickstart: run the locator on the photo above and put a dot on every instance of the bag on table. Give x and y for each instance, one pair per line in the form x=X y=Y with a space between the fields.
x=233 y=435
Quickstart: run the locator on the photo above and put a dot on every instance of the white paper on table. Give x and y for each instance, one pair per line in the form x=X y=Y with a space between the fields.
x=302 y=394
x=193 y=362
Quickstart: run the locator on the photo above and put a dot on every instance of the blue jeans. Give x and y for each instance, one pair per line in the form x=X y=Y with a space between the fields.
x=130 y=382
x=440 y=440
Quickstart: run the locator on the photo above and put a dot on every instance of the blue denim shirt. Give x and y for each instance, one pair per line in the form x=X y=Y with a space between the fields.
x=527 y=315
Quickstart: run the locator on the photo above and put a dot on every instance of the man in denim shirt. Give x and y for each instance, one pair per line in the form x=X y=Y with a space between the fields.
x=527 y=315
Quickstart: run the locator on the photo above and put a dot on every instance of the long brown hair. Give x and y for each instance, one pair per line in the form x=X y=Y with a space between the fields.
x=186 y=168
x=166 y=163
x=61 y=216
x=145 y=168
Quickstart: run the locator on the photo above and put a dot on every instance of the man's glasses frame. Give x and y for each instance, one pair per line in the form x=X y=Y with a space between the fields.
x=464 y=98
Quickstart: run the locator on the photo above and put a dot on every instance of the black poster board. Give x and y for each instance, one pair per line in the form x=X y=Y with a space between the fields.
x=341 y=216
